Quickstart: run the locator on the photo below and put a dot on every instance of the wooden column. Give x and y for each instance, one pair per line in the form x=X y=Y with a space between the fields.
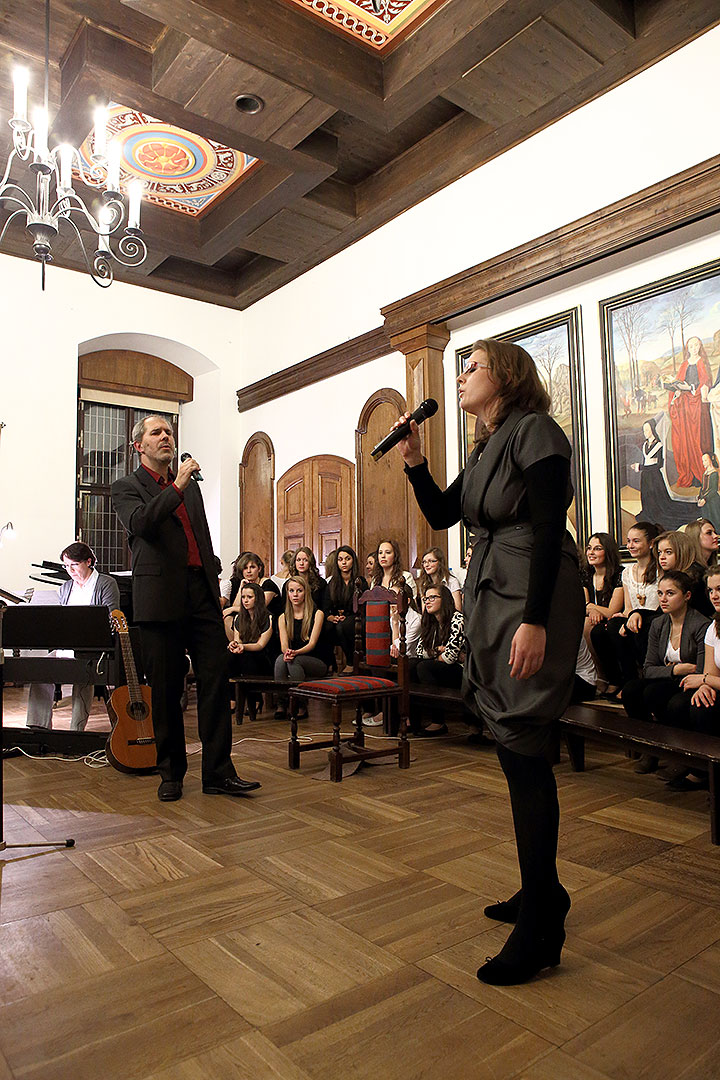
x=423 y=348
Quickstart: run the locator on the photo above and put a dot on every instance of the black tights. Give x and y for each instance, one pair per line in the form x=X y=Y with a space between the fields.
x=536 y=817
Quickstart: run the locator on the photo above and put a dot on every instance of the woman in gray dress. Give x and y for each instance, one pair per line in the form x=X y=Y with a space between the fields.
x=524 y=613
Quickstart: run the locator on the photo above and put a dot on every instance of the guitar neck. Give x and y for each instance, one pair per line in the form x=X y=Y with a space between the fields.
x=130 y=670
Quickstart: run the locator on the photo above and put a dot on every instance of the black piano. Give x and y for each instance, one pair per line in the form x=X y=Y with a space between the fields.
x=35 y=627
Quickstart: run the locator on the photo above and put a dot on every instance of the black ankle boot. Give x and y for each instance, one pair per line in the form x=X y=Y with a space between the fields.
x=520 y=964
x=508 y=910
x=505 y=910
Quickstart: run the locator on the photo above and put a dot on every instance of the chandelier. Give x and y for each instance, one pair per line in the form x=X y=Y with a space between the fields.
x=117 y=235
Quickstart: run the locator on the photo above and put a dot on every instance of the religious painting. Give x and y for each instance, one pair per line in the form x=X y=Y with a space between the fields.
x=661 y=357
x=554 y=344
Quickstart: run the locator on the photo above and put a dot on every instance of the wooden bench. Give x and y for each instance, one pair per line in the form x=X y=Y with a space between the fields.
x=257 y=684
x=607 y=724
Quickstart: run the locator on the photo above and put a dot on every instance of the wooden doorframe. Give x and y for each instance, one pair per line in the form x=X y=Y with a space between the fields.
x=258 y=438
x=386 y=395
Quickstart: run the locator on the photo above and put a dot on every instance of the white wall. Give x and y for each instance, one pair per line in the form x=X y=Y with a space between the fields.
x=42 y=333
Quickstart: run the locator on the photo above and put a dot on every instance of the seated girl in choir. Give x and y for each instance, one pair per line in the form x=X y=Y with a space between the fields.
x=703 y=535
x=620 y=643
x=305 y=650
x=339 y=595
x=676 y=551
x=676 y=648
x=305 y=567
x=434 y=571
x=601 y=577
x=585 y=686
x=440 y=649
x=249 y=567
x=703 y=711
x=370 y=564
x=249 y=633
x=389 y=570
x=284 y=569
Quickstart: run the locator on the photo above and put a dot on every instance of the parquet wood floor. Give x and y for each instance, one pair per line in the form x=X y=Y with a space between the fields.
x=318 y=931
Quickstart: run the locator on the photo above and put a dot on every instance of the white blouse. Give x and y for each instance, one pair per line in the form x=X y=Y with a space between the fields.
x=641 y=595
x=672 y=656
x=712 y=639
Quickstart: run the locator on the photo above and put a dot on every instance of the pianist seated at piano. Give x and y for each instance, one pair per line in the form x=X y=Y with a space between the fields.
x=86 y=587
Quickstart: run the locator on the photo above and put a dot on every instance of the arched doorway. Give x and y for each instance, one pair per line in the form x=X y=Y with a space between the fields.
x=382 y=495
x=257 y=504
x=315 y=505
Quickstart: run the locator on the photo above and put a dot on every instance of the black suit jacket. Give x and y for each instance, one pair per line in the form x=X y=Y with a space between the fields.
x=158 y=545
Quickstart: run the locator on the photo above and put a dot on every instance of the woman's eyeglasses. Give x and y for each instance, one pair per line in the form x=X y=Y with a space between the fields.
x=471 y=365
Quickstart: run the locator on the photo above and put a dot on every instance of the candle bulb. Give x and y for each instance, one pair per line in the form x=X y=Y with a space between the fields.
x=134 y=199
x=66 y=155
x=40 y=125
x=113 y=173
x=100 y=141
x=20 y=88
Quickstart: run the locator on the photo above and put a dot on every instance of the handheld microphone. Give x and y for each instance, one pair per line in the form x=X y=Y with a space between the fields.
x=424 y=409
x=196 y=474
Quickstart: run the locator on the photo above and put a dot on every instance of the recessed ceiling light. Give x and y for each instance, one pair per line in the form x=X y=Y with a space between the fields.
x=249 y=104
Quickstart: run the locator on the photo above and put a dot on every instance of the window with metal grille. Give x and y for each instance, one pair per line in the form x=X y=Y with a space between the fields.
x=105 y=454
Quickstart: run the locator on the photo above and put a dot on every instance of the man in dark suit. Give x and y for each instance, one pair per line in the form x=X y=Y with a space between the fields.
x=176 y=603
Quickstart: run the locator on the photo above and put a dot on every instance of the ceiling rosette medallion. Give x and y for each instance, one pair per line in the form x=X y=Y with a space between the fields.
x=380 y=26
x=180 y=171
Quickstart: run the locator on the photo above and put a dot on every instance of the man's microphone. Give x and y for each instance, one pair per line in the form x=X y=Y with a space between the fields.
x=424 y=409
x=196 y=474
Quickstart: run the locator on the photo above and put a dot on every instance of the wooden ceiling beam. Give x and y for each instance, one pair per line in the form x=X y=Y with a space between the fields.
x=621 y=12
x=131 y=25
x=334 y=202
x=265 y=192
x=270 y=35
x=457 y=38
x=123 y=72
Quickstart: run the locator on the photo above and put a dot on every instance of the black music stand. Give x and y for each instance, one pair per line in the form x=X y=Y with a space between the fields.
x=51 y=627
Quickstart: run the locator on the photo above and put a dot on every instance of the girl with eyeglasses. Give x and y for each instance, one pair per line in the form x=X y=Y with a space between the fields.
x=434 y=571
x=440 y=650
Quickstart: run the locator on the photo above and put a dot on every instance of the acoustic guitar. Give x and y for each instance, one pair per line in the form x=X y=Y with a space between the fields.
x=131 y=744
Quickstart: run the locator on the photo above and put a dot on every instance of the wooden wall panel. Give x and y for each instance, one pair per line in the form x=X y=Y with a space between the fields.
x=257 y=507
x=382 y=490
x=126 y=372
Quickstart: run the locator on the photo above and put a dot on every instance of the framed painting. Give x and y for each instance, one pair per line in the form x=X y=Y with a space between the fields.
x=661 y=362
x=555 y=346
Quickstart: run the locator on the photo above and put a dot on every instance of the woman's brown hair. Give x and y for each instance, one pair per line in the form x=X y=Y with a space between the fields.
x=519 y=385
x=685 y=549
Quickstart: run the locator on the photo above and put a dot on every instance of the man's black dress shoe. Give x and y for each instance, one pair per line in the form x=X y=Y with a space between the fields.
x=231 y=785
x=170 y=790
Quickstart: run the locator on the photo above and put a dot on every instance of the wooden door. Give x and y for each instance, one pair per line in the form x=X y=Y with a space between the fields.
x=382 y=489
x=315 y=505
x=257 y=511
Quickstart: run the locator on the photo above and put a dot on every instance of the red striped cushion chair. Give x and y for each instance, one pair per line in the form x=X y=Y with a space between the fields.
x=366 y=684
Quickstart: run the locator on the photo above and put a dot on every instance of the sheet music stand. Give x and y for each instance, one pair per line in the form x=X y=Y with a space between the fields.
x=51 y=627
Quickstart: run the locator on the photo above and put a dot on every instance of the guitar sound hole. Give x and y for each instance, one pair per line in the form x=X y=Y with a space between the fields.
x=137 y=710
